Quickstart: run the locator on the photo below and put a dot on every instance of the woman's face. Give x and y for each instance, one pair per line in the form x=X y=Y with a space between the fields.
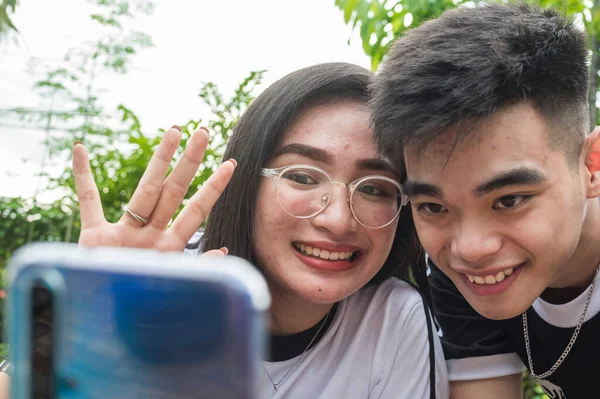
x=335 y=137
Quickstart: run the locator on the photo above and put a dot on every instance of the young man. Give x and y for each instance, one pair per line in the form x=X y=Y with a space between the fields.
x=487 y=108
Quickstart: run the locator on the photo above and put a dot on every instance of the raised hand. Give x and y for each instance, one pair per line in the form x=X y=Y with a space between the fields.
x=155 y=200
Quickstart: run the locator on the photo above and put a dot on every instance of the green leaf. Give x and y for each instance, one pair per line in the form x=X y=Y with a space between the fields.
x=349 y=9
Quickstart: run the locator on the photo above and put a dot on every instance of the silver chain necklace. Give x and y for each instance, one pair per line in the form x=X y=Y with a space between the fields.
x=276 y=385
x=569 y=345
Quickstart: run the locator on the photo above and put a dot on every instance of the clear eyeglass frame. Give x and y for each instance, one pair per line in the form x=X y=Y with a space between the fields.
x=277 y=173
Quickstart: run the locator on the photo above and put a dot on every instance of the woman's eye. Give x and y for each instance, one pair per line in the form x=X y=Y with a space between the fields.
x=370 y=190
x=430 y=208
x=510 y=201
x=300 y=178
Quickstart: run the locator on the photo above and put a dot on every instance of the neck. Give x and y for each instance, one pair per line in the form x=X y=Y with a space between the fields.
x=581 y=267
x=290 y=315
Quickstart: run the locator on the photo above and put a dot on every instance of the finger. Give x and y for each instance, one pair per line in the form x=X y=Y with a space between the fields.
x=214 y=252
x=176 y=186
x=148 y=191
x=195 y=211
x=90 y=206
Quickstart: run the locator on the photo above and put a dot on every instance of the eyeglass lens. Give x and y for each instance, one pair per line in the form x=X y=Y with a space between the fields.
x=304 y=192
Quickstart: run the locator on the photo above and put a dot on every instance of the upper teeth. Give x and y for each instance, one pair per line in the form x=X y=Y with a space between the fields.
x=323 y=253
x=491 y=279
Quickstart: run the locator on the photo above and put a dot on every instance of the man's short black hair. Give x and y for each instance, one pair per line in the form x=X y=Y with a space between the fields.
x=457 y=70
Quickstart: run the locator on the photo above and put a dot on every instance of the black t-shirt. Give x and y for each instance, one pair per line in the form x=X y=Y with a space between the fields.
x=476 y=347
x=285 y=347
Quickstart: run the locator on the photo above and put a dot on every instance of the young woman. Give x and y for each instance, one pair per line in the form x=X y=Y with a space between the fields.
x=320 y=213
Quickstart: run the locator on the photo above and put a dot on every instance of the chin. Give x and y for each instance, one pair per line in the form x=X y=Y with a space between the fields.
x=326 y=294
x=498 y=315
x=498 y=310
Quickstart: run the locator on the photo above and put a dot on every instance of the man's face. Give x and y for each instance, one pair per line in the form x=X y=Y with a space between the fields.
x=502 y=213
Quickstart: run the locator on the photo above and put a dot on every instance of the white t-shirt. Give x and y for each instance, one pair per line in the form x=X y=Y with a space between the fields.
x=377 y=347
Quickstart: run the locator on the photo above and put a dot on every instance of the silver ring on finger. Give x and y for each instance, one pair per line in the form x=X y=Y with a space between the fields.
x=137 y=217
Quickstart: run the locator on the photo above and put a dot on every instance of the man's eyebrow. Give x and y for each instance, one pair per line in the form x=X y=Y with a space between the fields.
x=378 y=164
x=414 y=187
x=519 y=176
x=313 y=153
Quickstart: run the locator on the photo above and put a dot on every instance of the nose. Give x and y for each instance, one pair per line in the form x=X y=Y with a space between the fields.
x=474 y=241
x=337 y=216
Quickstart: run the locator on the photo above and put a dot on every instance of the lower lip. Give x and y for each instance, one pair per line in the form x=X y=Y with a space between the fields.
x=323 y=264
x=493 y=289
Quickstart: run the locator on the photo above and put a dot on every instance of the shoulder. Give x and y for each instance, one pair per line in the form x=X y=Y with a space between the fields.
x=475 y=347
x=393 y=305
x=392 y=293
x=387 y=319
x=402 y=340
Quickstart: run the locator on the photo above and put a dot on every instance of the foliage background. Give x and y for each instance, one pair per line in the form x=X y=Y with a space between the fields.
x=70 y=110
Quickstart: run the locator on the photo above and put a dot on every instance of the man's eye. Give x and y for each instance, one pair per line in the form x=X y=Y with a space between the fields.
x=510 y=201
x=430 y=208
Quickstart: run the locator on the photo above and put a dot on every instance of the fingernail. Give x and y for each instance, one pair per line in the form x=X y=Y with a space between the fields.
x=224 y=250
x=176 y=127
x=233 y=161
x=205 y=129
x=78 y=142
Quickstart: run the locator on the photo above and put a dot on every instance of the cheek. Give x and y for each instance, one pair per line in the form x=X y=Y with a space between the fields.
x=555 y=241
x=295 y=204
x=264 y=219
x=271 y=226
x=554 y=227
x=431 y=238
x=381 y=241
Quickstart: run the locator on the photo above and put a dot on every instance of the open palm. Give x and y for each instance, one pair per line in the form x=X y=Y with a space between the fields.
x=156 y=198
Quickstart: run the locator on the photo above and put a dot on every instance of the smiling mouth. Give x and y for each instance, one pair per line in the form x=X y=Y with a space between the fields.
x=318 y=253
x=491 y=279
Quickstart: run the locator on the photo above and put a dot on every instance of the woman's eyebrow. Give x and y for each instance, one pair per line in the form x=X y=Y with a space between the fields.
x=323 y=156
x=313 y=153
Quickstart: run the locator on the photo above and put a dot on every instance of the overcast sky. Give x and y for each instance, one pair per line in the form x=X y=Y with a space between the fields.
x=195 y=41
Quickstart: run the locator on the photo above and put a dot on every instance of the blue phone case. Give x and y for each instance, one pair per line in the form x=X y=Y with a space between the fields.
x=132 y=323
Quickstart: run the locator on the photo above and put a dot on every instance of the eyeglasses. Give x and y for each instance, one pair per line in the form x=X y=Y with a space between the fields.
x=304 y=191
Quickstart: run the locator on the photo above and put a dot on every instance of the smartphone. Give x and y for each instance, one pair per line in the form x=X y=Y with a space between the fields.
x=133 y=323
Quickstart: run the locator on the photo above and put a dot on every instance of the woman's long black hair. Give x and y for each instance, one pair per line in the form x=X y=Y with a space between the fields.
x=256 y=137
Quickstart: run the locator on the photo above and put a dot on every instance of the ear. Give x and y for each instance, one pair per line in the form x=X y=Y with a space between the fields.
x=592 y=162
